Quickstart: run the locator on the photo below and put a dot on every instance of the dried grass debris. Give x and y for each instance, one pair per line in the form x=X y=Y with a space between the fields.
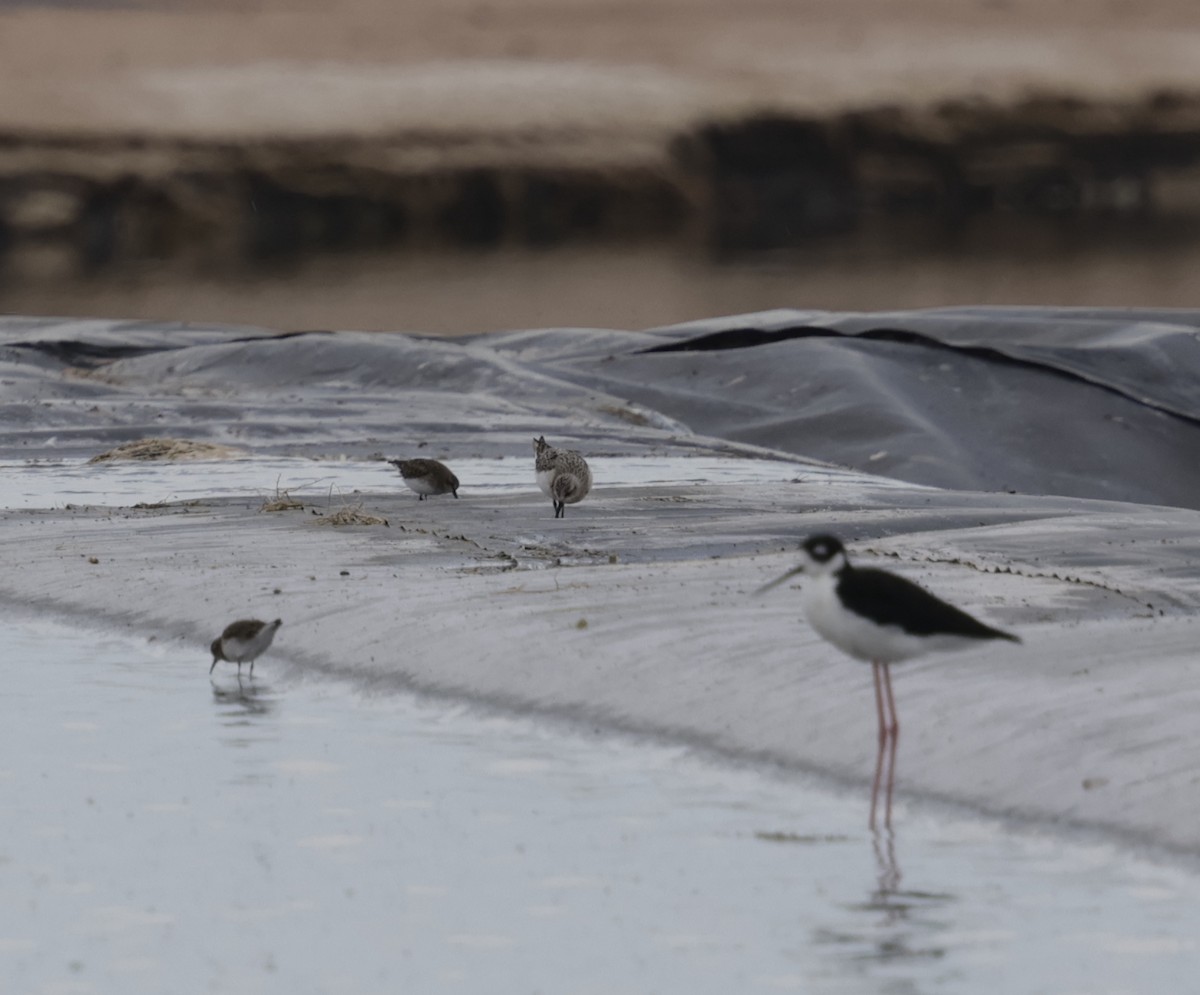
x=165 y=449
x=350 y=515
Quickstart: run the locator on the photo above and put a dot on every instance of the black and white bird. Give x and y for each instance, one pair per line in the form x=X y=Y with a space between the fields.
x=880 y=618
x=427 y=476
x=562 y=474
x=243 y=641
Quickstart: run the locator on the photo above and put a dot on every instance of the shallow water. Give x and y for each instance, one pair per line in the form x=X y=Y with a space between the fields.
x=285 y=834
x=635 y=286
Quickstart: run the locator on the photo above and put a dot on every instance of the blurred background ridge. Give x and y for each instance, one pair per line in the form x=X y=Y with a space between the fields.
x=457 y=165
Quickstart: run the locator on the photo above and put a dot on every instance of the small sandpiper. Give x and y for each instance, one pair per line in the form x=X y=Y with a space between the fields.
x=426 y=476
x=562 y=474
x=243 y=641
x=880 y=618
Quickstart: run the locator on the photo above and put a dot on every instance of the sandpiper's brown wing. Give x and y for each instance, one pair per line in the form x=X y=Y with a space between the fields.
x=442 y=474
x=416 y=467
x=435 y=470
x=243 y=628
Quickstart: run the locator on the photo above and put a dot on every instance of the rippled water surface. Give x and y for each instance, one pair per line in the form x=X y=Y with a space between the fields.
x=284 y=834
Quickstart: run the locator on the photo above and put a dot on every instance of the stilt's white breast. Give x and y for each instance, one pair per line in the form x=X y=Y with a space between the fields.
x=857 y=636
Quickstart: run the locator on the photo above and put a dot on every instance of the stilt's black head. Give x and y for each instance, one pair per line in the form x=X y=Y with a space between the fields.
x=823 y=548
x=821 y=555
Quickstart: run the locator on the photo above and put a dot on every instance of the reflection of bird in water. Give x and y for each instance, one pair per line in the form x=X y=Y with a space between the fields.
x=244 y=701
x=881 y=618
x=562 y=474
x=905 y=924
x=885 y=859
x=243 y=641
x=426 y=476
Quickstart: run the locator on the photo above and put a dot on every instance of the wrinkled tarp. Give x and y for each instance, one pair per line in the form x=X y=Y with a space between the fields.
x=687 y=518
x=1085 y=403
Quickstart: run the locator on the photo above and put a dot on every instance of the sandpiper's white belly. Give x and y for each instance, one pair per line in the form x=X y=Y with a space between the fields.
x=544 y=478
x=422 y=485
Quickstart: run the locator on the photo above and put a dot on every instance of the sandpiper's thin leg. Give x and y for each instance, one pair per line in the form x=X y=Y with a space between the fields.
x=251 y=668
x=875 y=668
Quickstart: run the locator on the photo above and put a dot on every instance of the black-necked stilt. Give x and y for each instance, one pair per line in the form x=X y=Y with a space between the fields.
x=881 y=618
x=562 y=474
x=243 y=641
x=426 y=476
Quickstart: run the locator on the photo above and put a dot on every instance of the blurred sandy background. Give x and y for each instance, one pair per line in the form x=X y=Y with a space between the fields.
x=463 y=165
x=280 y=65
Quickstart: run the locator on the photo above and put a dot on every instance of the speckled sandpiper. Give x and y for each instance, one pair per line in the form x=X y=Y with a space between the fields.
x=426 y=476
x=562 y=474
x=243 y=641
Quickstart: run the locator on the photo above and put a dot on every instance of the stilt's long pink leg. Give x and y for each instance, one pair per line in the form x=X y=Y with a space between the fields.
x=893 y=726
x=875 y=672
x=893 y=734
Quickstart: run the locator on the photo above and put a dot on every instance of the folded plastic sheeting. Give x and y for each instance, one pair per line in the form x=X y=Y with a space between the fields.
x=1102 y=404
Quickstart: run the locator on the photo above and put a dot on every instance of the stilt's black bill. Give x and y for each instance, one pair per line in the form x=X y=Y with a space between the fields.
x=779 y=580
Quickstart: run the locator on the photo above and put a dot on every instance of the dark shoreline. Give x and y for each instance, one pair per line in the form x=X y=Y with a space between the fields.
x=758 y=182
